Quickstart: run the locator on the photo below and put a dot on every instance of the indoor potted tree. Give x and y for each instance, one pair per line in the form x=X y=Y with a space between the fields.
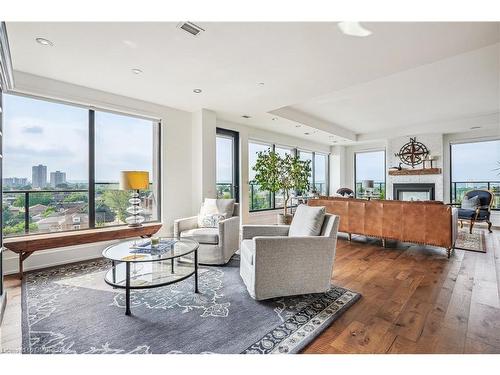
x=275 y=173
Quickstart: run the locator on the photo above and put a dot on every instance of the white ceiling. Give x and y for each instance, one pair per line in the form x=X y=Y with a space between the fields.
x=404 y=74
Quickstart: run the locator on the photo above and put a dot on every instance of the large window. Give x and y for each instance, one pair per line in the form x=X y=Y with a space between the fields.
x=47 y=169
x=370 y=168
x=263 y=200
x=475 y=165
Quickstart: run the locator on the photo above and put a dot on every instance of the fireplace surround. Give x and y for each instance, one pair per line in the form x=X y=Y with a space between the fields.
x=414 y=192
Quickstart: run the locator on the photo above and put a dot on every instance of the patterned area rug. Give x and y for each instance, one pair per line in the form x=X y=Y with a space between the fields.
x=70 y=309
x=473 y=242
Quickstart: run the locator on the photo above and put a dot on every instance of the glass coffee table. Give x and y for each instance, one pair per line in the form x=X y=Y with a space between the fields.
x=133 y=267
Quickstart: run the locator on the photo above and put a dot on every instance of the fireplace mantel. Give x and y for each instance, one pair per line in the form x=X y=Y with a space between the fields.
x=414 y=172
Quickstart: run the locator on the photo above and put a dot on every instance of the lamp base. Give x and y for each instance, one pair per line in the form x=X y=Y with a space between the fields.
x=135 y=220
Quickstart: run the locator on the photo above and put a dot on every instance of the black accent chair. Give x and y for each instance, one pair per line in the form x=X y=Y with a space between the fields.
x=345 y=192
x=481 y=213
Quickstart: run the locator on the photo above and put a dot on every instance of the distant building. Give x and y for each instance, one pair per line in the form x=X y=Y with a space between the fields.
x=15 y=181
x=39 y=176
x=57 y=178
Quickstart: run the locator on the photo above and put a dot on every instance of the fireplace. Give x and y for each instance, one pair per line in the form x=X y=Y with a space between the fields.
x=413 y=192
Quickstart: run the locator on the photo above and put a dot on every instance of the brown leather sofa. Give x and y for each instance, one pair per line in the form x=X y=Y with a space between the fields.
x=428 y=223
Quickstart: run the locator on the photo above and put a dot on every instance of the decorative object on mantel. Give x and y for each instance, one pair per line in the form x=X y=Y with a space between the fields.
x=428 y=159
x=398 y=168
x=414 y=172
x=413 y=153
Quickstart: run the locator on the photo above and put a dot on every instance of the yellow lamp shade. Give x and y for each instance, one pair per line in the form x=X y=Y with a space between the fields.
x=134 y=180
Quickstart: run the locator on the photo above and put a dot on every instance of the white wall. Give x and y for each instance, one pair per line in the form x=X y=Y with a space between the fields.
x=176 y=173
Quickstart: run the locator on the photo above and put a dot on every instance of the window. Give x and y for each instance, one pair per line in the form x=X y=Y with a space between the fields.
x=259 y=199
x=370 y=167
x=279 y=199
x=475 y=165
x=47 y=170
x=227 y=164
x=321 y=173
x=122 y=143
x=262 y=200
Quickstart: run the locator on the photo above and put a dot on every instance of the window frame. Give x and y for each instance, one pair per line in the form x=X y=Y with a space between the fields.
x=385 y=168
x=235 y=137
x=91 y=110
x=460 y=142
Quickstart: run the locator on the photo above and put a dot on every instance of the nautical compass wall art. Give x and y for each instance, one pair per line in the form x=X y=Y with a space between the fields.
x=413 y=153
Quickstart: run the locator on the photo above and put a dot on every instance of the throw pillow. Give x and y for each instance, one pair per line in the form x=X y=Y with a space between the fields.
x=210 y=220
x=470 y=203
x=307 y=221
x=221 y=206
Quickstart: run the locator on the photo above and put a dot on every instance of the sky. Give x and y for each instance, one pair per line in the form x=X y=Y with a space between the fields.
x=224 y=154
x=476 y=161
x=370 y=166
x=56 y=135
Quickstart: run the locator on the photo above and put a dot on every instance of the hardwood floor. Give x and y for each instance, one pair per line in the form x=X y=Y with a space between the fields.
x=415 y=300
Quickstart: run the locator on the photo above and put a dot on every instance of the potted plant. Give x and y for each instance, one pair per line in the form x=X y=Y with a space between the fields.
x=275 y=173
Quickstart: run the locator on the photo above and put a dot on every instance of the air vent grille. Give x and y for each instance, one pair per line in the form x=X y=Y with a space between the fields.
x=191 y=28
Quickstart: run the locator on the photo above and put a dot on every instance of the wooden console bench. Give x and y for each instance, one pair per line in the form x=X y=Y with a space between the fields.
x=27 y=245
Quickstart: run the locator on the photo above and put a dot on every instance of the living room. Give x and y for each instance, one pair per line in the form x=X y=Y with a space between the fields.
x=322 y=187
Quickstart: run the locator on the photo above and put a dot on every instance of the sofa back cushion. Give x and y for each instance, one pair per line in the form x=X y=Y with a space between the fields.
x=307 y=221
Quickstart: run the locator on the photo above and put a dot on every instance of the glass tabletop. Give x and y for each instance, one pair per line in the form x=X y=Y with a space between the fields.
x=139 y=251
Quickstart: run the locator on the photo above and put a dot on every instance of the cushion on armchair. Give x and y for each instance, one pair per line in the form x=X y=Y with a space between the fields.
x=307 y=221
x=470 y=203
x=202 y=235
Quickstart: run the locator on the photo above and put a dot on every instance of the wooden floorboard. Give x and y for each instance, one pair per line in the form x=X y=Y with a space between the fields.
x=415 y=300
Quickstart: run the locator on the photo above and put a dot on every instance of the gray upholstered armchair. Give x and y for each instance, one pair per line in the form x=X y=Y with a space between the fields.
x=217 y=245
x=274 y=264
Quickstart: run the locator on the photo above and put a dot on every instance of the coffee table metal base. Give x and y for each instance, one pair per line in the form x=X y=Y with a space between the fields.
x=129 y=287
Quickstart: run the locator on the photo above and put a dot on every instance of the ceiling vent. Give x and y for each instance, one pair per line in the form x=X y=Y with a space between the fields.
x=190 y=28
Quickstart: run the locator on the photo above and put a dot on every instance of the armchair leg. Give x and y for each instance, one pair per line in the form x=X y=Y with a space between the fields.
x=349 y=236
x=448 y=252
x=471 y=226
x=461 y=224
x=489 y=226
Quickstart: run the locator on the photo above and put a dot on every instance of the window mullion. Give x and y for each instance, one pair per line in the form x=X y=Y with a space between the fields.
x=91 y=188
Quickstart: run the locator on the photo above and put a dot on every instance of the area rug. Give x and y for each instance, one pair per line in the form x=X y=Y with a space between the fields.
x=472 y=242
x=70 y=309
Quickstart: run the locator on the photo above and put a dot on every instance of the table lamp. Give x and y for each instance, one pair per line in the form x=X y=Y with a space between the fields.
x=368 y=187
x=135 y=181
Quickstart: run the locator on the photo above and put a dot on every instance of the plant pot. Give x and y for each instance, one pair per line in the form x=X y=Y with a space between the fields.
x=285 y=219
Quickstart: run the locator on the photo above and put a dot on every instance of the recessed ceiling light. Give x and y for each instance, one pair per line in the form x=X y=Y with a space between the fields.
x=298 y=126
x=246 y=116
x=307 y=133
x=274 y=118
x=475 y=127
x=197 y=91
x=261 y=83
x=44 y=42
x=136 y=71
x=353 y=29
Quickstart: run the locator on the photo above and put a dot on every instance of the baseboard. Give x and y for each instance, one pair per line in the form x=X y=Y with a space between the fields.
x=3 y=303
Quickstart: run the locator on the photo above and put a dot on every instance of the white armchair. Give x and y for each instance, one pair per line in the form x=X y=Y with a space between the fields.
x=275 y=265
x=217 y=245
